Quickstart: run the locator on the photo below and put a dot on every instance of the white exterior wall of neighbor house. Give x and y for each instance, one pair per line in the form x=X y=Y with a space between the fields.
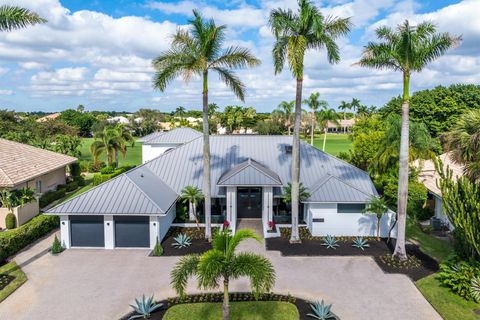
x=151 y=151
x=48 y=181
x=345 y=224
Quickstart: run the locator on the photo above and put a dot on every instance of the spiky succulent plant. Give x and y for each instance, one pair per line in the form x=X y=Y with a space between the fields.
x=182 y=241
x=144 y=308
x=360 y=243
x=330 y=242
x=321 y=311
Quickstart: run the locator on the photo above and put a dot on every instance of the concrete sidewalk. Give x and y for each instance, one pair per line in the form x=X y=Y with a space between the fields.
x=99 y=284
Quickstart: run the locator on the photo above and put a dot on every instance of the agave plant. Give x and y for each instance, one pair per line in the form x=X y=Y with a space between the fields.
x=144 y=308
x=360 y=243
x=182 y=241
x=321 y=311
x=475 y=288
x=330 y=242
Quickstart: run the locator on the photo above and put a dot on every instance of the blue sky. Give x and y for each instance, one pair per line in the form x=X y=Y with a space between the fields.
x=98 y=53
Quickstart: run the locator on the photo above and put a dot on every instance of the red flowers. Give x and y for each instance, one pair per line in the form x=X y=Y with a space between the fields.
x=271 y=225
x=226 y=224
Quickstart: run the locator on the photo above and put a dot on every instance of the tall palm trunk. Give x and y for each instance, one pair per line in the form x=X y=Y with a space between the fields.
x=324 y=137
x=400 y=251
x=296 y=163
x=226 y=304
x=206 y=160
x=313 y=126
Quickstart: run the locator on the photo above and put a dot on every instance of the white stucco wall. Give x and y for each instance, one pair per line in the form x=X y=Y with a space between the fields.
x=151 y=151
x=166 y=221
x=109 y=230
x=345 y=224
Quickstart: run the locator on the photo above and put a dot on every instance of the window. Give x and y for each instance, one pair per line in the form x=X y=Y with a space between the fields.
x=350 y=207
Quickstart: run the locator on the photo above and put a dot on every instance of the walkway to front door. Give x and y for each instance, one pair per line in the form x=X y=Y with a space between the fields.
x=249 y=203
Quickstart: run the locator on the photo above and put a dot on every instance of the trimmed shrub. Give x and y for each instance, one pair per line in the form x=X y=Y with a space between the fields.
x=80 y=181
x=13 y=241
x=10 y=221
x=158 y=249
x=108 y=170
x=56 y=246
x=75 y=169
x=71 y=186
x=51 y=196
x=99 y=178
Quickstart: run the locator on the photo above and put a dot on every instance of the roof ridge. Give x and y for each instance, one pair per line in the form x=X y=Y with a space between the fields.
x=320 y=182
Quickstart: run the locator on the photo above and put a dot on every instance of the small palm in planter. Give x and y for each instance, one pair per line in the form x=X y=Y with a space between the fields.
x=56 y=246
x=222 y=264
x=144 y=308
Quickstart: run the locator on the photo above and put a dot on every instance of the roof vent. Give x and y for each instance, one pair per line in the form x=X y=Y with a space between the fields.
x=288 y=149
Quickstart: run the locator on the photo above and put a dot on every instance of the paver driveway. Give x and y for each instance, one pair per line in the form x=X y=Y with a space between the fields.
x=99 y=284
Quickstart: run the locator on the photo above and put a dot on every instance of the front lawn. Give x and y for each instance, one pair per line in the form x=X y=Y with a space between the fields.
x=133 y=156
x=336 y=143
x=11 y=278
x=448 y=304
x=253 y=310
x=434 y=247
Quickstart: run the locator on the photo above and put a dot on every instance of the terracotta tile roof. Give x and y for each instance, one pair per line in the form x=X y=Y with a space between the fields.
x=20 y=162
x=52 y=116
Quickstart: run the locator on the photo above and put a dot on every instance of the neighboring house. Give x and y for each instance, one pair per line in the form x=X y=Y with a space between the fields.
x=23 y=165
x=118 y=119
x=429 y=176
x=158 y=143
x=248 y=174
x=343 y=125
x=52 y=116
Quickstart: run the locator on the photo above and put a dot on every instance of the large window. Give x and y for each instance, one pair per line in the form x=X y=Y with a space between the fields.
x=282 y=211
x=350 y=207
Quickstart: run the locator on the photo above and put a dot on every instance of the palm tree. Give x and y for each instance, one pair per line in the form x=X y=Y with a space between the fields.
x=223 y=264
x=287 y=193
x=180 y=112
x=355 y=104
x=112 y=140
x=192 y=195
x=407 y=49
x=324 y=118
x=462 y=142
x=25 y=195
x=13 y=17
x=197 y=52
x=7 y=200
x=378 y=207
x=286 y=108
x=314 y=103
x=295 y=33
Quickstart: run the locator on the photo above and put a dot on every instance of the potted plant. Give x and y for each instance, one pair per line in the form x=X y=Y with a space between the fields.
x=271 y=226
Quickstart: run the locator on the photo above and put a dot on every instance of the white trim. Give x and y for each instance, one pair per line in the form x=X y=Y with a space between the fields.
x=109 y=231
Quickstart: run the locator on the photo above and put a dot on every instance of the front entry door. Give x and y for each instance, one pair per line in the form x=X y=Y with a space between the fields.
x=249 y=203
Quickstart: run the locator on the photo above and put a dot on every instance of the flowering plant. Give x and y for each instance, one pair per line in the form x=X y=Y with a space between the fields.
x=226 y=224
x=271 y=225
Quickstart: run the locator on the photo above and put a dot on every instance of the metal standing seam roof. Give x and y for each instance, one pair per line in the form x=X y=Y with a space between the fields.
x=21 y=162
x=249 y=173
x=153 y=187
x=178 y=135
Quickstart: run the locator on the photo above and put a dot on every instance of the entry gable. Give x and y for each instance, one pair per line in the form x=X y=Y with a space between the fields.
x=249 y=173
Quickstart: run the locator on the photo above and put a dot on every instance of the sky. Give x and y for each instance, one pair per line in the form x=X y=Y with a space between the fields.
x=98 y=53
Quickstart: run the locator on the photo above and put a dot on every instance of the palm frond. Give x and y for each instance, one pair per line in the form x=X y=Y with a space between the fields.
x=235 y=58
x=232 y=81
x=257 y=268
x=183 y=270
x=210 y=269
x=13 y=17
x=239 y=236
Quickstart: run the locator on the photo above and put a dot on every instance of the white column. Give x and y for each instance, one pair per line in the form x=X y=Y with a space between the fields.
x=267 y=214
x=232 y=207
x=65 y=231
x=154 y=230
x=109 y=229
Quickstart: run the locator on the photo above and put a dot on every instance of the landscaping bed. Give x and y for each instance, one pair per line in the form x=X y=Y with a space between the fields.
x=268 y=306
x=11 y=278
x=198 y=242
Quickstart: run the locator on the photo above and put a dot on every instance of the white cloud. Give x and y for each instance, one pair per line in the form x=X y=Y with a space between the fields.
x=32 y=65
x=6 y=92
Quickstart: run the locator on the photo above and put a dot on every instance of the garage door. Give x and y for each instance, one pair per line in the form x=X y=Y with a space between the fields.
x=87 y=231
x=132 y=232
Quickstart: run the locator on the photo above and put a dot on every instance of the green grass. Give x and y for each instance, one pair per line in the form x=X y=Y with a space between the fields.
x=336 y=143
x=434 y=247
x=449 y=305
x=256 y=310
x=88 y=185
x=133 y=156
x=13 y=270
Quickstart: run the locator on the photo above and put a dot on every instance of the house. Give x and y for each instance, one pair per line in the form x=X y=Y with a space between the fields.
x=158 y=143
x=118 y=119
x=49 y=117
x=429 y=176
x=248 y=173
x=342 y=126
x=23 y=165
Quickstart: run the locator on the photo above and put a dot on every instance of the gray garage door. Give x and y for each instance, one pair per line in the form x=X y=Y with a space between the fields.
x=87 y=231
x=132 y=232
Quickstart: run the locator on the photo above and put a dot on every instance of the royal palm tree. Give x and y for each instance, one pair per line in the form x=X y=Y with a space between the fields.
x=407 y=49
x=314 y=103
x=285 y=108
x=462 y=142
x=345 y=106
x=221 y=264
x=198 y=52
x=324 y=118
x=13 y=17
x=111 y=140
x=295 y=33
x=378 y=207
x=193 y=196
x=180 y=112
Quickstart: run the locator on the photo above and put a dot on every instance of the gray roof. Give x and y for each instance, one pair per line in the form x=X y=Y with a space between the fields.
x=249 y=173
x=178 y=135
x=153 y=187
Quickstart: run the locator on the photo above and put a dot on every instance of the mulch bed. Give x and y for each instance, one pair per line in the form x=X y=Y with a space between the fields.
x=303 y=306
x=5 y=280
x=419 y=264
x=197 y=246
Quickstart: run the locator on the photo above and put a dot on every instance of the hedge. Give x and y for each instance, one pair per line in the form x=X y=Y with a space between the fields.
x=99 y=178
x=12 y=241
x=51 y=196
